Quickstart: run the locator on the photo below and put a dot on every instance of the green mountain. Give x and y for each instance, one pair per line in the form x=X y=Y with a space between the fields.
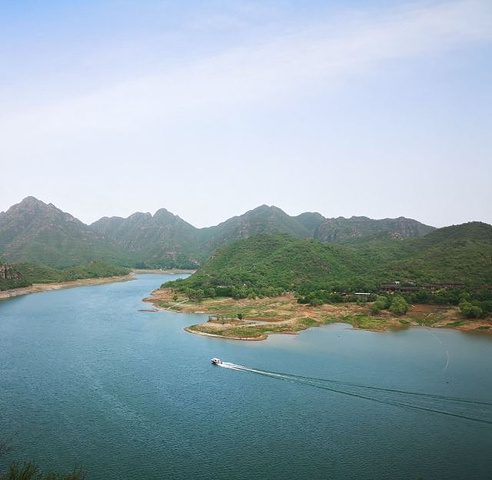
x=267 y=264
x=310 y=221
x=162 y=240
x=261 y=220
x=339 y=229
x=165 y=240
x=33 y=231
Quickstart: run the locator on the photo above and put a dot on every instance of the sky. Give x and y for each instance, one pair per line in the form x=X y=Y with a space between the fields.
x=210 y=109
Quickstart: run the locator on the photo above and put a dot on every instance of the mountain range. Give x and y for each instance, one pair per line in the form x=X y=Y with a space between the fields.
x=33 y=231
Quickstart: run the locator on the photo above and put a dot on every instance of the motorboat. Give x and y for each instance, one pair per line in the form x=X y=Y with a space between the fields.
x=216 y=361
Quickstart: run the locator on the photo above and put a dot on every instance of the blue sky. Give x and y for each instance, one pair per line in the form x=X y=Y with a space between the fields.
x=209 y=109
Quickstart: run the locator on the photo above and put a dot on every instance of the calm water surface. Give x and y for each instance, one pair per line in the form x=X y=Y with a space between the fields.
x=88 y=379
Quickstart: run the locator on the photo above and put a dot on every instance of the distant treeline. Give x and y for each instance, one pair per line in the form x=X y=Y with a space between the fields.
x=25 y=274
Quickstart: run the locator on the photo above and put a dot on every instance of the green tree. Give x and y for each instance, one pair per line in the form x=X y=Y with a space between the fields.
x=197 y=295
x=210 y=292
x=376 y=307
x=470 y=310
x=398 y=306
x=380 y=304
x=315 y=302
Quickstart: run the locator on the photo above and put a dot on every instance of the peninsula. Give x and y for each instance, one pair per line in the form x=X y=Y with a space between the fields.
x=255 y=319
x=280 y=284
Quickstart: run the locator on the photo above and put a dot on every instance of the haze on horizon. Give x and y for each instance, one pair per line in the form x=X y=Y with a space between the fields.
x=210 y=109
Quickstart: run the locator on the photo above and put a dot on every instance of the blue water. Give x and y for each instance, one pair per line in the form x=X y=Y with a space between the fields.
x=87 y=379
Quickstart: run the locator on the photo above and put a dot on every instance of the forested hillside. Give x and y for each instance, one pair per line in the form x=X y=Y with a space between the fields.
x=269 y=264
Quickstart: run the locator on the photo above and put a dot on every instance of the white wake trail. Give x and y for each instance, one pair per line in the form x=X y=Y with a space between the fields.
x=446 y=354
x=234 y=366
x=361 y=391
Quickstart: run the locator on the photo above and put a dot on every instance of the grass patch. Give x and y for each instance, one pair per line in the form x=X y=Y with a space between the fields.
x=308 y=322
x=164 y=304
x=237 y=330
x=248 y=331
x=327 y=319
x=455 y=324
x=429 y=319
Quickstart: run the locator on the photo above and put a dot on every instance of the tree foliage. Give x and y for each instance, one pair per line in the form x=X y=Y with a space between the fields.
x=398 y=305
x=269 y=265
x=30 y=471
x=469 y=310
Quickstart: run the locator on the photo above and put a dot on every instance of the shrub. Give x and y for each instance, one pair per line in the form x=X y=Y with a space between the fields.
x=470 y=311
x=398 y=306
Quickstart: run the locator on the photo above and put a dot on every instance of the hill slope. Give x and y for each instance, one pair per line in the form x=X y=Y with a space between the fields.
x=457 y=254
x=165 y=240
x=339 y=229
x=261 y=220
x=33 y=231
x=265 y=263
x=162 y=240
x=11 y=277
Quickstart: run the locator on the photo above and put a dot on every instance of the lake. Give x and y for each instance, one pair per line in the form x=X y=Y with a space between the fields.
x=87 y=378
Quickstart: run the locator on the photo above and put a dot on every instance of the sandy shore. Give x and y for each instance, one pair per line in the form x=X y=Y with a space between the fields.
x=44 y=287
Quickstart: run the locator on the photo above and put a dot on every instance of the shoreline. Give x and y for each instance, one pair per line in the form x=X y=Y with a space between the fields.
x=82 y=282
x=46 y=287
x=263 y=317
x=170 y=271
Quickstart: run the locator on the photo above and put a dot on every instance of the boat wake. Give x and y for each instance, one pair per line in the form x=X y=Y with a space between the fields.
x=464 y=408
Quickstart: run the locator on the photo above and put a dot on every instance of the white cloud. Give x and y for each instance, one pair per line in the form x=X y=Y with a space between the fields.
x=315 y=58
